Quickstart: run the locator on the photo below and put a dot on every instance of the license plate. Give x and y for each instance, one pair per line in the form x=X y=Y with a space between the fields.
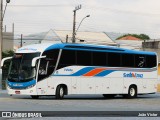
x=17 y=92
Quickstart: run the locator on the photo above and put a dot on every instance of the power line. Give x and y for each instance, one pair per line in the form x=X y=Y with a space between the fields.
x=56 y=5
x=90 y=7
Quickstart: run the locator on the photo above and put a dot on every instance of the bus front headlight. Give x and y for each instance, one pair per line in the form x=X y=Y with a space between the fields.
x=30 y=86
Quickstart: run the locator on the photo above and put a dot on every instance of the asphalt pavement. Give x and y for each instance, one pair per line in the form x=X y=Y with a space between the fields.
x=149 y=102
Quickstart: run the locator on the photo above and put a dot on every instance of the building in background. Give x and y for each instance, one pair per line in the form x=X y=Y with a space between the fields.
x=129 y=37
x=130 y=42
x=66 y=36
x=8 y=41
x=86 y=37
x=113 y=35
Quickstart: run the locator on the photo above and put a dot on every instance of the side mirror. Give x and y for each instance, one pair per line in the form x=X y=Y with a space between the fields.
x=4 y=59
x=35 y=59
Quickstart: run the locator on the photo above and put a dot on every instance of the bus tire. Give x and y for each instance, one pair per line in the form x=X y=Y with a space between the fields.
x=109 y=95
x=60 y=92
x=34 y=96
x=132 y=92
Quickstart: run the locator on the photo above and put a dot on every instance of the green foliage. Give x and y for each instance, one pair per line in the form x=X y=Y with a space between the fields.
x=140 y=36
x=7 y=53
x=5 y=67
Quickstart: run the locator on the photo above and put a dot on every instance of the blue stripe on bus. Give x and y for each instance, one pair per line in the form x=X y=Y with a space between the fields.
x=21 y=85
x=83 y=71
x=104 y=73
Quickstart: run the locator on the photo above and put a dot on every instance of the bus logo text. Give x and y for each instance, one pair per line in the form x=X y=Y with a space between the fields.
x=134 y=75
x=67 y=69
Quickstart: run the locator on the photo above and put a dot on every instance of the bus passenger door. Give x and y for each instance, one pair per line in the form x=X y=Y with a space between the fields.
x=42 y=75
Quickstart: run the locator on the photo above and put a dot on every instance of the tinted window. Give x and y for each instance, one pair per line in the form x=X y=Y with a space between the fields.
x=127 y=60
x=114 y=59
x=151 y=61
x=47 y=65
x=84 y=58
x=99 y=59
x=68 y=58
x=140 y=61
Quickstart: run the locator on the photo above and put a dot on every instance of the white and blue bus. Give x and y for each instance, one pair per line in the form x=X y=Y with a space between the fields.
x=62 y=69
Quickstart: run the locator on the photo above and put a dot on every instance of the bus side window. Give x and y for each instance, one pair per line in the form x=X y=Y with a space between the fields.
x=43 y=69
x=128 y=60
x=140 y=61
x=47 y=65
x=42 y=73
x=99 y=59
x=68 y=58
x=84 y=58
x=114 y=59
x=151 y=61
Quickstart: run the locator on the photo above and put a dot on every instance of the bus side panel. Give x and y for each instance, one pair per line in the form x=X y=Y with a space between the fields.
x=86 y=85
x=74 y=88
x=54 y=81
x=149 y=82
x=42 y=87
x=115 y=82
x=149 y=85
x=102 y=85
x=116 y=85
x=146 y=84
x=132 y=81
x=93 y=85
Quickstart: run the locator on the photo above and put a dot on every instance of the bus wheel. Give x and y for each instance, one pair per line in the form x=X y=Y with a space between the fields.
x=34 y=96
x=109 y=95
x=60 y=92
x=132 y=92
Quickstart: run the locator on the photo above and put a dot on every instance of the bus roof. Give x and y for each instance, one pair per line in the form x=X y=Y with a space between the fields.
x=101 y=48
x=70 y=46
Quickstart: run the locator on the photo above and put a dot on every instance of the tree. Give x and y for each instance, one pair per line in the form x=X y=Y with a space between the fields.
x=140 y=36
x=7 y=53
x=144 y=37
x=5 y=68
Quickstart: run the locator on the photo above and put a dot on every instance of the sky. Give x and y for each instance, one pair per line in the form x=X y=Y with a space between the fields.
x=121 y=16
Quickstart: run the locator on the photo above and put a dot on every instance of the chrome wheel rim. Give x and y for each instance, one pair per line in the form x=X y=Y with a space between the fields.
x=61 y=92
x=132 y=91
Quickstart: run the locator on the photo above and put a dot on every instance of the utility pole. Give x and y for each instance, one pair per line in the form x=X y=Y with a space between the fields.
x=74 y=23
x=1 y=25
x=1 y=34
x=1 y=19
x=66 y=38
x=13 y=29
x=21 y=40
x=1 y=14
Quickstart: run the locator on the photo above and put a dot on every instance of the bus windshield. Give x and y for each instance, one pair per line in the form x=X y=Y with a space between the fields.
x=20 y=67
